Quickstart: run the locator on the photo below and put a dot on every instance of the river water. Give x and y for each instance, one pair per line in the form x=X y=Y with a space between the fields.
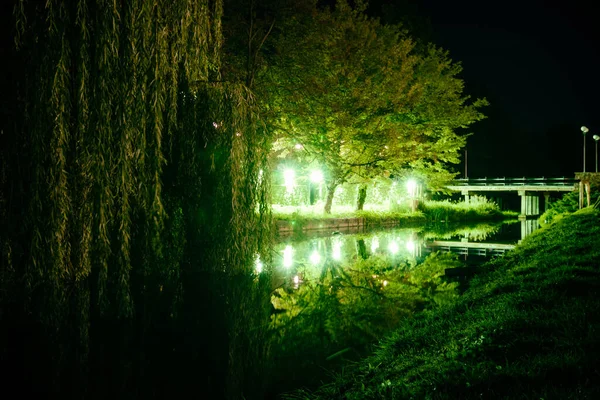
x=335 y=295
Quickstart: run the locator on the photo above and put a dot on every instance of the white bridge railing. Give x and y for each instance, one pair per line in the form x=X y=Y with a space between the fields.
x=543 y=181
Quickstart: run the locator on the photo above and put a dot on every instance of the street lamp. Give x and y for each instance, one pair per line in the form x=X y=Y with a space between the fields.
x=466 y=164
x=288 y=177
x=596 y=138
x=411 y=187
x=584 y=130
x=316 y=176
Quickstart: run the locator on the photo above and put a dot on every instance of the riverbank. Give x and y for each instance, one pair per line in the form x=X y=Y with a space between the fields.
x=344 y=222
x=528 y=327
x=290 y=221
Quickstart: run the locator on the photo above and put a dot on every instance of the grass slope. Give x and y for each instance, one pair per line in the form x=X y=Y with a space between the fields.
x=527 y=328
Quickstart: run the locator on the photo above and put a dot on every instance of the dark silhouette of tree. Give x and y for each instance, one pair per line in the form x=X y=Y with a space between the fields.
x=135 y=207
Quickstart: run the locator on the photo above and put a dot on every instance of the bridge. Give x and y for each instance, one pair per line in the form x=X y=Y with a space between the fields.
x=530 y=189
x=465 y=247
x=469 y=248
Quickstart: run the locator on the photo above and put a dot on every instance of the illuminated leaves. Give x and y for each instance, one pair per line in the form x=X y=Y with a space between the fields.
x=362 y=100
x=358 y=301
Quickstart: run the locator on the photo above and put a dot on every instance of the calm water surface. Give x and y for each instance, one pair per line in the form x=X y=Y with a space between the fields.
x=335 y=295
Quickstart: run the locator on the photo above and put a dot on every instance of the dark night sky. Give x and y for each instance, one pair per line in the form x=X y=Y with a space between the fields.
x=537 y=64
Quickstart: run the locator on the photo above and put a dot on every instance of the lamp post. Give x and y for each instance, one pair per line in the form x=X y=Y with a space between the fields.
x=584 y=130
x=411 y=187
x=466 y=164
x=596 y=138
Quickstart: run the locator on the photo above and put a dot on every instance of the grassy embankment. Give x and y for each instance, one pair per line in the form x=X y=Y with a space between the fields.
x=479 y=209
x=528 y=327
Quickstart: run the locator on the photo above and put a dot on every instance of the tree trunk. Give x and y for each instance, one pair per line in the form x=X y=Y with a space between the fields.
x=362 y=195
x=330 y=191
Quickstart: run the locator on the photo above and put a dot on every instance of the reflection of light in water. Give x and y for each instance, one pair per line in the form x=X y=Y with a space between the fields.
x=393 y=247
x=287 y=256
x=385 y=283
x=258 y=265
x=410 y=246
x=315 y=258
x=296 y=281
x=374 y=243
x=337 y=249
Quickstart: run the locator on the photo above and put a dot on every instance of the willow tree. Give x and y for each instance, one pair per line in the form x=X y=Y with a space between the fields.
x=135 y=201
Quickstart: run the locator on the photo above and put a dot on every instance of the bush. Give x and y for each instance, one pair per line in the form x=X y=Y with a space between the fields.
x=566 y=205
x=478 y=208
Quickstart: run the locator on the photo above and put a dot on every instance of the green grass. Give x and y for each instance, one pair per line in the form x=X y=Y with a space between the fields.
x=479 y=209
x=528 y=327
x=371 y=217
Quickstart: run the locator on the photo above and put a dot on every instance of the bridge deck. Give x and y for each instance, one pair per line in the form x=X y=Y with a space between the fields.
x=512 y=188
x=469 y=248
x=470 y=245
x=514 y=184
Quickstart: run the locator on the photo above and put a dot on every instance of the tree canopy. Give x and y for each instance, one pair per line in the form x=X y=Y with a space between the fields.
x=134 y=175
x=135 y=207
x=361 y=99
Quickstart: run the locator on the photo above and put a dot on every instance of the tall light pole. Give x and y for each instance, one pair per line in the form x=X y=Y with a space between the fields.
x=584 y=130
x=596 y=138
x=466 y=163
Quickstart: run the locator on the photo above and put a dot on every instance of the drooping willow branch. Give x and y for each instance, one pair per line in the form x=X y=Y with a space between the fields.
x=129 y=186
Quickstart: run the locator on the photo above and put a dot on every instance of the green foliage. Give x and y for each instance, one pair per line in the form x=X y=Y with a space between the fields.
x=527 y=327
x=301 y=216
x=135 y=194
x=478 y=208
x=478 y=232
x=345 y=308
x=567 y=204
x=360 y=99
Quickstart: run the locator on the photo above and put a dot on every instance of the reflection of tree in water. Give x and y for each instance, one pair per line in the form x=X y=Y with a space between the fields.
x=475 y=233
x=362 y=249
x=339 y=310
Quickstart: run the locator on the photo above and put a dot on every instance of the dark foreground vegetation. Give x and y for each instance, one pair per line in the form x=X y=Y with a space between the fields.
x=527 y=328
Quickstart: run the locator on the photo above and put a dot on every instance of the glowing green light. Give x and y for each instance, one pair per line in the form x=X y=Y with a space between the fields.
x=374 y=244
x=316 y=176
x=289 y=180
x=315 y=257
x=393 y=247
x=288 y=260
x=411 y=186
x=337 y=249
x=258 y=265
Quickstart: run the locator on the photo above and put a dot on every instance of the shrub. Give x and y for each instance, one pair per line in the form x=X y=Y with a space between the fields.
x=445 y=210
